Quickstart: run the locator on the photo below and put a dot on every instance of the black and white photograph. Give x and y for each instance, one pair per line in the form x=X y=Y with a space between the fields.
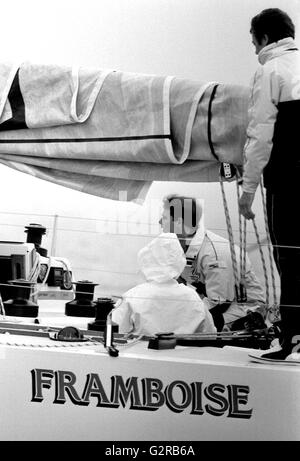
x=149 y=228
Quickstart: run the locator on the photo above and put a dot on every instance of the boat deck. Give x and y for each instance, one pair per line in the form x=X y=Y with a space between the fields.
x=54 y=390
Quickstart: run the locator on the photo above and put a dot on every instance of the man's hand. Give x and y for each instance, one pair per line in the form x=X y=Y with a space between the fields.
x=245 y=204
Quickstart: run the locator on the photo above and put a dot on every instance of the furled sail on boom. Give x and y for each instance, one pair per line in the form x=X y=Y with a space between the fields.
x=103 y=131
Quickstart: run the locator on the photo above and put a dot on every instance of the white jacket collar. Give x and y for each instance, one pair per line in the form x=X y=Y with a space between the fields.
x=275 y=49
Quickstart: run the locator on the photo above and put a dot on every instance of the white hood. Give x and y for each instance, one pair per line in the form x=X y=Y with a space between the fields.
x=162 y=259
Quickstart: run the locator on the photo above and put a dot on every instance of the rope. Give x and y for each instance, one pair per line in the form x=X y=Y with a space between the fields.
x=245 y=246
x=263 y=262
x=269 y=244
x=76 y=344
x=231 y=241
x=90 y=342
x=242 y=234
x=131 y=342
x=273 y=311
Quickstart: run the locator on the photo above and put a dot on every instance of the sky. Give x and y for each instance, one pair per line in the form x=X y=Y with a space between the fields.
x=204 y=40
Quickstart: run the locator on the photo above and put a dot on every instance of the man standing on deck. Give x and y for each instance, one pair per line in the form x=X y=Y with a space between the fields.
x=272 y=148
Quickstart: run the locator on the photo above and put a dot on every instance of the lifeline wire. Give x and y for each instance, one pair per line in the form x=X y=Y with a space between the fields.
x=108 y=221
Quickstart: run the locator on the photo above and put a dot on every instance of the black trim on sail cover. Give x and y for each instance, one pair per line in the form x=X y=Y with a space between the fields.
x=107 y=139
x=17 y=121
x=209 y=117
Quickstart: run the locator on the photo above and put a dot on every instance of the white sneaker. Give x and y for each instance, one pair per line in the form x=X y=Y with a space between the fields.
x=291 y=359
x=294 y=357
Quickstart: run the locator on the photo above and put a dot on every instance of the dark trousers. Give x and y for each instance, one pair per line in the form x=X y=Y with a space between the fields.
x=284 y=224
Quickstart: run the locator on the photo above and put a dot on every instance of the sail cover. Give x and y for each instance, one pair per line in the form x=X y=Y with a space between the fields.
x=111 y=133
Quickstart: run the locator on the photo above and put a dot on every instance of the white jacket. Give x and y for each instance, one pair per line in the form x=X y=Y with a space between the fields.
x=209 y=261
x=276 y=80
x=162 y=304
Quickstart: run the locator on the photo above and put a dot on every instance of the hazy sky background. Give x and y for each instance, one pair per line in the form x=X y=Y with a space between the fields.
x=198 y=39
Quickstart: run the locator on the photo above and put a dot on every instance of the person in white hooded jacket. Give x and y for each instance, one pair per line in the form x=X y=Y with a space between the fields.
x=161 y=304
x=272 y=149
